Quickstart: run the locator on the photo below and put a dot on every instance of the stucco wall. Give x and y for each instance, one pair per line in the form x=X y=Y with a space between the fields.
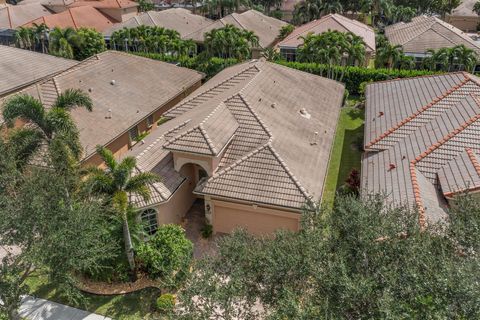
x=467 y=24
x=120 y=14
x=226 y=216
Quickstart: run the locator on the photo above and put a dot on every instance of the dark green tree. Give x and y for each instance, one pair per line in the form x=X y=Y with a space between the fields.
x=91 y=42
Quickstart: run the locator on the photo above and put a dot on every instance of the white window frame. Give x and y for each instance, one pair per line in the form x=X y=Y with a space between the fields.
x=149 y=221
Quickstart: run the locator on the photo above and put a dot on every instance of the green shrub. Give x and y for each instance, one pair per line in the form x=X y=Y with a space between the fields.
x=209 y=66
x=165 y=303
x=207 y=231
x=167 y=255
x=355 y=76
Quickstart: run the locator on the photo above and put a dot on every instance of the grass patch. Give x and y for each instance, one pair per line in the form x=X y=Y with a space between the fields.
x=345 y=153
x=133 y=306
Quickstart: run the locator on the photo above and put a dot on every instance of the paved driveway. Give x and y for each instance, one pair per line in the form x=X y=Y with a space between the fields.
x=40 y=309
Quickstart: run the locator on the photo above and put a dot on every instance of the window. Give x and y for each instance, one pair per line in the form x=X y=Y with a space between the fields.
x=149 y=220
x=150 y=121
x=289 y=54
x=133 y=134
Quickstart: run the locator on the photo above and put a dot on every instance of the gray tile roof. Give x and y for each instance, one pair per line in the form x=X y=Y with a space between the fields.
x=20 y=68
x=425 y=32
x=461 y=173
x=411 y=160
x=270 y=148
x=12 y=17
x=266 y=28
x=178 y=19
x=124 y=88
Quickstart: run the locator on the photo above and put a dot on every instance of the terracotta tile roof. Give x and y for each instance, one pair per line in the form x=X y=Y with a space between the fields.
x=422 y=158
x=331 y=22
x=104 y=4
x=269 y=146
x=266 y=28
x=20 y=68
x=124 y=88
x=79 y=17
x=12 y=17
x=426 y=32
x=178 y=19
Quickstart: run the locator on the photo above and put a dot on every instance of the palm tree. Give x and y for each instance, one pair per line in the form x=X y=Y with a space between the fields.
x=24 y=38
x=388 y=55
x=53 y=128
x=62 y=42
x=476 y=8
x=355 y=49
x=40 y=32
x=117 y=184
x=465 y=57
x=270 y=54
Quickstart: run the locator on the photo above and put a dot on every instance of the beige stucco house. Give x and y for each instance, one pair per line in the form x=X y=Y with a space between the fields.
x=463 y=17
x=422 y=141
x=253 y=143
x=130 y=94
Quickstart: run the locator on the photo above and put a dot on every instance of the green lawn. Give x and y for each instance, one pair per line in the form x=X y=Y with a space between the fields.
x=132 y=306
x=345 y=154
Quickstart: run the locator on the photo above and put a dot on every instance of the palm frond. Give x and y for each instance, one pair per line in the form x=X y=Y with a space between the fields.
x=24 y=143
x=98 y=183
x=72 y=98
x=107 y=157
x=25 y=107
x=137 y=183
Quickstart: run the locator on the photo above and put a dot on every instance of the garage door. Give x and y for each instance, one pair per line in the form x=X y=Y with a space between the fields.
x=258 y=221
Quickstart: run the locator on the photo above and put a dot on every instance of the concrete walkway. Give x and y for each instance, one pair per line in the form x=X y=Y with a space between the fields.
x=40 y=309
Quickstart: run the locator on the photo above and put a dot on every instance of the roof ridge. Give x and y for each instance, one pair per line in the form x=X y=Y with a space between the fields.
x=234 y=18
x=287 y=170
x=417 y=113
x=207 y=139
x=257 y=117
x=418 y=34
x=151 y=18
x=416 y=193
x=71 y=16
x=419 y=77
x=473 y=159
x=9 y=17
x=212 y=88
x=446 y=138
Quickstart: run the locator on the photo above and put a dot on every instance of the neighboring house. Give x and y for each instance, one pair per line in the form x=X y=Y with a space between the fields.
x=129 y=93
x=254 y=142
x=266 y=28
x=117 y=10
x=286 y=8
x=7 y=36
x=12 y=17
x=422 y=141
x=20 y=68
x=463 y=17
x=180 y=20
x=288 y=46
x=76 y=18
x=424 y=33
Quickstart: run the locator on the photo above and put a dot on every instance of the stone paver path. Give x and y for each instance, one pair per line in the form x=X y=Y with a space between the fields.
x=40 y=309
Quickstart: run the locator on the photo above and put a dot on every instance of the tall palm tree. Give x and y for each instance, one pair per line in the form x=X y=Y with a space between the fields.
x=388 y=55
x=53 y=128
x=62 y=42
x=117 y=184
x=25 y=38
x=40 y=32
x=465 y=57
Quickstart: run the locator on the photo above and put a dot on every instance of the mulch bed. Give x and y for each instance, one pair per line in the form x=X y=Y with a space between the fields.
x=105 y=288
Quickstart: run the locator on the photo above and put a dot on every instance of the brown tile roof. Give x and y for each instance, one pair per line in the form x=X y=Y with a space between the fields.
x=12 y=17
x=460 y=174
x=266 y=28
x=20 y=68
x=417 y=156
x=269 y=147
x=104 y=4
x=425 y=32
x=178 y=19
x=78 y=17
x=465 y=9
x=124 y=88
x=330 y=22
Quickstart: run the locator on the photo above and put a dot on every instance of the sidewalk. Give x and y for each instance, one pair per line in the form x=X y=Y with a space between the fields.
x=40 y=309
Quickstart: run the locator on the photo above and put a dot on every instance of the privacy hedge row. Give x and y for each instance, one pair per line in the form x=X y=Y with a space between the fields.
x=210 y=66
x=355 y=76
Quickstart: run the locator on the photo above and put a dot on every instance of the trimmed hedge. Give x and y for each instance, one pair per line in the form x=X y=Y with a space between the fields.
x=355 y=76
x=210 y=66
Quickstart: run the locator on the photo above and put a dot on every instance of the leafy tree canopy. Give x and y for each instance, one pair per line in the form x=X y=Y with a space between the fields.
x=361 y=260
x=230 y=42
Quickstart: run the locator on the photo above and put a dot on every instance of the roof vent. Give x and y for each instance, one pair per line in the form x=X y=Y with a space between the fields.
x=112 y=82
x=273 y=105
x=90 y=89
x=109 y=114
x=304 y=113
x=380 y=114
x=391 y=167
